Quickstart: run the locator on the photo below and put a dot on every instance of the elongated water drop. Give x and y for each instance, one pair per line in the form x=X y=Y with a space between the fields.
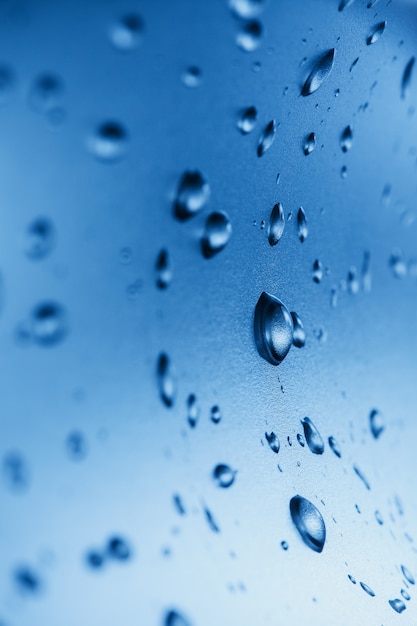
x=299 y=335
x=167 y=383
x=317 y=271
x=367 y=589
x=407 y=75
x=408 y=575
x=164 y=270
x=173 y=618
x=375 y=33
x=224 y=475
x=376 y=423
x=276 y=224
x=344 y=3
x=397 y=604
x=309 y=522
x=273 y=328
x=247 y=120
x=267 y=138
x=346 y=139
x=309 y=144
x=319 y=73
x=217 y=232
x=405 y=595
x=334 y=446
x=273 y=441
x=313 y=437
x=250 y=35
x=302 y=224
x=192 y=194
x=193 y=410
x=361 y=475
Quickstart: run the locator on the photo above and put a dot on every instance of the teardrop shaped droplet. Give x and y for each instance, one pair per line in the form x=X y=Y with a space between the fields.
x=247 y=120
x=309 y=144
x=167 y=383
x=40 y=236
x=109 y=141
x=408 y=575
x=302 y=224
x=250 y=35
x=407 y=75
x=273 y=329
x=309 y=522
x=346 y=139
x=317 y=271
x=368 y=589
x=217 y=232
x=319 y=73
x=299 y=335
x=49 y=323
x=375 y=33
x=276 y=224
x=273 y=441
x=164 y=269
x=192 y=194
x=376 y=423
x=224 y=475
x=397 y=604
x=267 y=138
x=193 y=410
x=173 y=618
x=334 y=447
x=126 y=34
x=313 y=437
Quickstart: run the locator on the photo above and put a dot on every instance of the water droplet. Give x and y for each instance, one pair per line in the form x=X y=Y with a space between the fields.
x=353 y=64
x=273 y=329
x=371 y=4
x=49 y=324
x=193 y=410
x=301 y=440
x=375 y=33
x=346 y=139
x=125 y=255
x=46 y=92
x=343 y=172
x=217 y=232
x=407 y=75
x=313 y=437
x=352 y=281
x=224 y=475
x=408 y=575
x=276 y=224
x=118 y=549
x=333 y=297
x=215 y=414
x=302 y=224
x=210 y=520
x=360 y=475
x=167 y=383
x=309 y=144
x=344 y=3
x=405 y=595
x=309 y=522
x=247 y=8
x=378 y=518
x=16 y=471
x=126 y=34
x=192 y=194
x=192 y=77
x=319 y=73
x=27 y=580
x=179 y=506
x=334 y=446
x=352 y=579
x=397 y=604
x=247 y=120
x=94 y=559
x=173 y=618
x=273 y=441
x=250 y=36
x=368 y=590
x=284 y=545
x=267 y=138
x=317 y=271
x=366 y=272
x=40 y=236
x=76 y=446
x=109 y=141
x=376 y=423
x=397 y=264
x=164 y=269
x=299 y=335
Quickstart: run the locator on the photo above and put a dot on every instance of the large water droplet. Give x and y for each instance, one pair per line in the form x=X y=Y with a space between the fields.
x=273 y=329
x=299 y=335
x=302 y=224
x=192 y=194
x=247 y=120
x=173 y=618
x=109 y=141
x=407 y=75
x=247 y=8
x=167 y=383
x=126 y=34
x=346 y=139
x=309 y=522
x=217 y=232
x=319 y=73
x=375 y=33
x=309 y=144
x=49 y=323
x=250 y=35
x=368 y=590
x=40 y=236
x=313 y=437
x=317 y=271
x=273 y=441
x=334 y=446
x=276 y=224
x=408 y=575
x=267 y=138
x=224 y=475
x=193 y=410
x=376 y=423
x=164 y=270
x=397 y=604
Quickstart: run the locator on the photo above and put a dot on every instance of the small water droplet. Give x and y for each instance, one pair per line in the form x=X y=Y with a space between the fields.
x=167 y=383
x=179 y=506
x=386 y=195
x=408 y=575
x=247 y=120
x=309 y=144
x=46 y=93
x=375 y=33
x=406 y=78
x=368 y=590
x=49 y=324
x=360 y=475
x=267 y=138
x=273 y=441
x=309 y=522
x=378 y=518
x=346 y=139
x=313 y=437
x=344 y=3
x=193 y=410
x=276 y=224
x=109 y=141
x=343 y=172
x=118 y=549
x=352 y=281
x=215 y=414
x=273 y=329
x=76 y=446
x=27 y=580
x=334 y=446
x=247 y=8
x=317 y=271
x=352 y=579
x=319 y=73
x=376 y=423
x=299 y=335
x=126 y=34
x=284 y=545
x=397 y=264
x=192 y=77
x=366 y=272
x=217 y=232
x=210 y=520
x=94 y=559
x=192 y=194
x=250 y=35
x=40 y=238
x=405 y=595
x=16 y=471
x=164 y=269
x=397 y=604
x=302 y=224
x=301 y=440
x=224 y=475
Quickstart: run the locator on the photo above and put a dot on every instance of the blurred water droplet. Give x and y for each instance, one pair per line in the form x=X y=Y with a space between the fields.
x=334 y=446
x=376 y=423
x=284 y=545
x=273 y=441
x=309 y=144
x=109 y=141
x=217 y=232
x=408 y=575
x=406 y=78
x=215 y=414
x=192 y=194
x=375 y=33
x=94 y=559
x=352 y=579
x=302 y=224
x=16 y=471
x=40 y=237
x=247 y=8
x=210 y=520
x=224 y=475
x=309 y=522
x=192 y=77
x=353 y=64
x=193 y=410
x=267 y=138
x=167 y=383
x=346 y=139
x=397 y=264
x=273 y=329
x=27 y=580
x=368 y=590
x=378 y=518
x=366 y=272
x=301 y=440
x=360 y=475
x=397 y=604
x=317 y=271
x=386 y=195
x=276 y=224
x=352 y=281
x=250 y=35
x=179 y=506
x=247 y=120
x=126 y=34
x=333 y=297
x=405 y=595
x=164 y=269
x=46 y=93
x=371 y=4
x=76 y=446
x=49 y=324
x=118 y=549
x=299 y=335
x=344 y=3
x=313 y=437
x=343 y=172
x=319 y=73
